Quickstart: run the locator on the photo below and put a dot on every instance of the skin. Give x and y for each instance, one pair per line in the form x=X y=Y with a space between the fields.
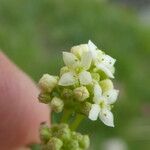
x=20 y=111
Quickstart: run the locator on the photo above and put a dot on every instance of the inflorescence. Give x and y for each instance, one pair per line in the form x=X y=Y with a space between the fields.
x=83 y=88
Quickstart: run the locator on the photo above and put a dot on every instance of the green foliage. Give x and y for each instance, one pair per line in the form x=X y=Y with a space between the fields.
x=33 y=32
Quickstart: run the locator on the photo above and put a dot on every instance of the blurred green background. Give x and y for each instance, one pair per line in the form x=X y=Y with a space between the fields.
x=34 y=32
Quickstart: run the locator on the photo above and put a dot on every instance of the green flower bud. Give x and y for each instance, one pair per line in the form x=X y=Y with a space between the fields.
x=81 y=93
x=48 y=82
x=72 y=145
x=57 y=104
x=85 y=108
x=79 y=49
x=54 y=144
x=95 y=76
x=106 y=85
x=85 y=142
x=64 y=132
x=63 y=70
x=45 y=133
x=44 y=98
x=76 y=136
x=67 y=93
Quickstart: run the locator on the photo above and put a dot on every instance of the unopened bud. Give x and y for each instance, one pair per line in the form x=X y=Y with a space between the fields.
x=79 y=49
x=72 y=145
x=85 y=108
x=64 y=132
x=95 y=76
x=45 y=133
x=67 y=93
x=54 y=144
x=57 y=104
x=85 y=142
x=47 y=82
x=106 y=85
x=81 y=93
x=77 y=136
x=44 y=98
x=63 y=70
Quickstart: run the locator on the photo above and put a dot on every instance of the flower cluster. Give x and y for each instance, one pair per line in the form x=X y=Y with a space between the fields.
x=60 y=137
x=84 y=85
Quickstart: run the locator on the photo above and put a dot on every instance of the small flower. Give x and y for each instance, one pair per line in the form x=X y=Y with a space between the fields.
x=102 y=61
x=47 y=82
x=57 y=104
x=102 y=104
x=81 y=93
x=77 y=69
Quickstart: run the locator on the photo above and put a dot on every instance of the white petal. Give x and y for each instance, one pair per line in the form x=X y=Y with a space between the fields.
x=86 y=60
x=70 y=59
x=108 y=61
x=97 y=93
x=85 y=78
x=105 y=70
x=93 y=114
x=107 y=117
x=111 y=96
x=92 y=48
x=67 y=79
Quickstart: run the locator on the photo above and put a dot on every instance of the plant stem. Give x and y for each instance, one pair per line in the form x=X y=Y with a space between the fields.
x=65 y=116
x=77 y=122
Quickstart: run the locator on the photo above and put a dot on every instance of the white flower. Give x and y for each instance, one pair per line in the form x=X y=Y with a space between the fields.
x=102 y=61
x=102 y=104
x=77 y=69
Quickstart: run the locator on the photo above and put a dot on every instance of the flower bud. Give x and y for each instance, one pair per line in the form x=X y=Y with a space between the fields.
x=106 y=85
x=47 y=82
x=85 y=142
x=79 y=49
x=45 y=133
x=64 y=132
x=44 y=98
x=54 y=144
x=61 y=131
x=77 y=136
x=57 y=104
x=72 y=145
x=85 y=108
x=67 y=93
x=95 y=76
x=81 y=93
x=63 y=70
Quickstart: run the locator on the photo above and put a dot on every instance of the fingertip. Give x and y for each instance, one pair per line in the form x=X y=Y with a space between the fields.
x=20 y=111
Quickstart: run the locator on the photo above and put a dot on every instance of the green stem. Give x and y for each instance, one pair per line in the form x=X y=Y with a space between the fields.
x=65 y=116
x=76 y=122
x=52 y=118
